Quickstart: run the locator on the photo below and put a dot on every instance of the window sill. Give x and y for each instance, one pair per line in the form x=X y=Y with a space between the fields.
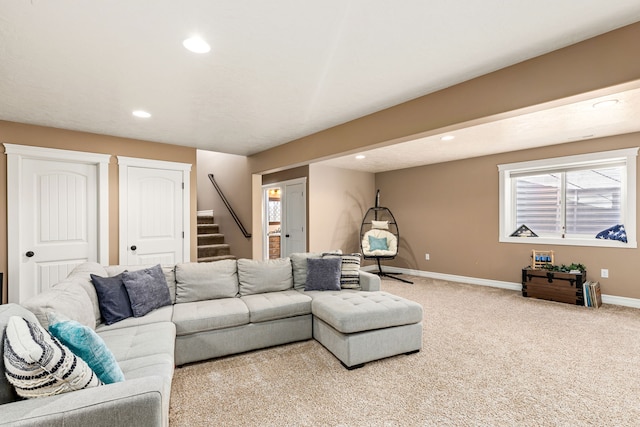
x=599 y=243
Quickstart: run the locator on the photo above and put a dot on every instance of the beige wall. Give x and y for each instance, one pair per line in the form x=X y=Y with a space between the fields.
x=450 y=210
x=232 y=174
x=338 y=200
x=23 y=134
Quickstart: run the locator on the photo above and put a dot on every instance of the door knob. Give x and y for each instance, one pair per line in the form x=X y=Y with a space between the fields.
x=134 y=247
x=286 y=235
x=29 y=254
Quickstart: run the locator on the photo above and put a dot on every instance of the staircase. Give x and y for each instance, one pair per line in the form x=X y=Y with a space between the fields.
x=211 y=245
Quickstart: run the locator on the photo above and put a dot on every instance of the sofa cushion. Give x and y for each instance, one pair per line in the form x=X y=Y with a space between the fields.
x=169 y=275
x=198 y=316
x=276 y=305
x=323 y=274
x=162 y=314
x=350 y=312
x=299 y=267
x=141 y=341
x=112 y=298
x=68 y=298
x=147 y=289
x=259 y=276
x=87 y=345
x=37 y=364
x=197 y=281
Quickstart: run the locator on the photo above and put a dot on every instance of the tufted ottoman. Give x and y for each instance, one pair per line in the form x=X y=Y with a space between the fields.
x=358 y=327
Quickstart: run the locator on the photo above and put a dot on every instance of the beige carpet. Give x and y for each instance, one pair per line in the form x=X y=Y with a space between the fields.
x=490 y=358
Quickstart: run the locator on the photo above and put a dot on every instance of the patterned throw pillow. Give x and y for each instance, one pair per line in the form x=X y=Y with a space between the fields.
x=89 y=346
x=38 y=365
x=349 y=270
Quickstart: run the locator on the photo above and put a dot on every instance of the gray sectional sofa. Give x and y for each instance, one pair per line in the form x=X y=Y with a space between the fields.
x=216 y=309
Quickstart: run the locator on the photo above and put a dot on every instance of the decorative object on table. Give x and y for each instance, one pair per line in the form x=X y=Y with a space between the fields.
x=540 y=259
x=380 y=237
x=617 y=232
x=523 y=231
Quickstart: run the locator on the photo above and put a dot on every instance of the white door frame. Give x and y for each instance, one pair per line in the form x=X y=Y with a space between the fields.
x=123 y=165
x=15 y=156
x=265 y=220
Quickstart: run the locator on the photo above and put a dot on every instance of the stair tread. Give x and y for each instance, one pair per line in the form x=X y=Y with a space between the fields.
x=216 y=258
x=215 y=245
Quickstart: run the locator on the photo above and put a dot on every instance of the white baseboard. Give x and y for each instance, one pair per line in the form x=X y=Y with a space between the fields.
x=606 y=299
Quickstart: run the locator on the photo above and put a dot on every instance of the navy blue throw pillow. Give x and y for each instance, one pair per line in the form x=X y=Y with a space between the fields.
x=113 y=298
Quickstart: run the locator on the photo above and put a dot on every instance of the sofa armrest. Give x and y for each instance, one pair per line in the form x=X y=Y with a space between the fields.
x=133 y=402
x=369 y=281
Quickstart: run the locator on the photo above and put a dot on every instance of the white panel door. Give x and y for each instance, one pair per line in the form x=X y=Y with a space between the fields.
x=294 y=236
x=58 y=224
x=154 y=213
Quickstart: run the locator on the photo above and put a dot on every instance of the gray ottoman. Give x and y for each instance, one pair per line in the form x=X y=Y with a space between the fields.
x=358 y=327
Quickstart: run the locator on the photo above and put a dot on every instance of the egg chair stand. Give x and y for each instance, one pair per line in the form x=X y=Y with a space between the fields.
x=380 y=237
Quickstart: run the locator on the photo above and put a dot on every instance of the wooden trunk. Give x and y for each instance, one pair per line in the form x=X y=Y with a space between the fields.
x=553 y=285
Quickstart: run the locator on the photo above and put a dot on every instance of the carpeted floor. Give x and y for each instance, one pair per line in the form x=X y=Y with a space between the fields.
x=490 y=358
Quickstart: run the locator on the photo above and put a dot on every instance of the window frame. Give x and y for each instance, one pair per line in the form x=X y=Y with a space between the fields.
x=628 y=208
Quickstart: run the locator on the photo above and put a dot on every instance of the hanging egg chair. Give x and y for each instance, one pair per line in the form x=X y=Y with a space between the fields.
x=380 y=237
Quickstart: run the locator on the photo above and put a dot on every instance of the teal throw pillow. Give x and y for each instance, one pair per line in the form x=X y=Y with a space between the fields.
x=378 y=243
x=88 y=346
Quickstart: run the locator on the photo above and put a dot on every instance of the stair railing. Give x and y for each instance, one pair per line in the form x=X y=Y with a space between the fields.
x=231 y=211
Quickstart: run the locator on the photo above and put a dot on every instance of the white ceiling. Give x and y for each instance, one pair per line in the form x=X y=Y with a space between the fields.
x=278 y=69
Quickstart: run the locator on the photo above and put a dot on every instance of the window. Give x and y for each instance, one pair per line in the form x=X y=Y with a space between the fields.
x=569 y=200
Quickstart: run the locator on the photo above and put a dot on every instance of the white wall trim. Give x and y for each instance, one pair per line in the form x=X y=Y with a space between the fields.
x=123 y=182
x=606 y=299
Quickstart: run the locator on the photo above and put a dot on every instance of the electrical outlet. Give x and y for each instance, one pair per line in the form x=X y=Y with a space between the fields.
x=604 y=273
x=426 y=257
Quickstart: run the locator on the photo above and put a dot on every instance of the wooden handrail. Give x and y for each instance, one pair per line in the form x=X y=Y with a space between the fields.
x=231 y=211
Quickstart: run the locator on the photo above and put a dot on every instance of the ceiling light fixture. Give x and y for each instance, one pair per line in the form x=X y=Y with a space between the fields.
x=447 y=138
x=605 y=104
x=142 y=114
x=360 y=156
x=196 y=45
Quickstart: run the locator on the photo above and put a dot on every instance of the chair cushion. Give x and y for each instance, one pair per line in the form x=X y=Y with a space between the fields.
x=276 y=305
x=391 y=240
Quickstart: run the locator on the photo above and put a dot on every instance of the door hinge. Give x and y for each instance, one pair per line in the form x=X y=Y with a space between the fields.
x=183 y=185
x=183 y=234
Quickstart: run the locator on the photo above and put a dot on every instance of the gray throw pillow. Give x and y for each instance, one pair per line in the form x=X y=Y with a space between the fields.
x=147 y=289
x=113 y=298
x=323 y=274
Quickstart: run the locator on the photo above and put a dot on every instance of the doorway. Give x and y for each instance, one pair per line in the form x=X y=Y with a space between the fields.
x=284 y=218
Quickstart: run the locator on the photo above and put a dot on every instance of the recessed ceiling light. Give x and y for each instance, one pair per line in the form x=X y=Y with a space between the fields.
x=605 y=104
x=360 y=156
x=447 y=138
x=142 y=114
x=196 y=45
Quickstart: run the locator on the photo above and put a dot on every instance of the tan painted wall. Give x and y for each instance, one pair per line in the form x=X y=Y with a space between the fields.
x=23 y=134
x=450 y=210
x=232 y=174
x=596 y=64
x=338 y=200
